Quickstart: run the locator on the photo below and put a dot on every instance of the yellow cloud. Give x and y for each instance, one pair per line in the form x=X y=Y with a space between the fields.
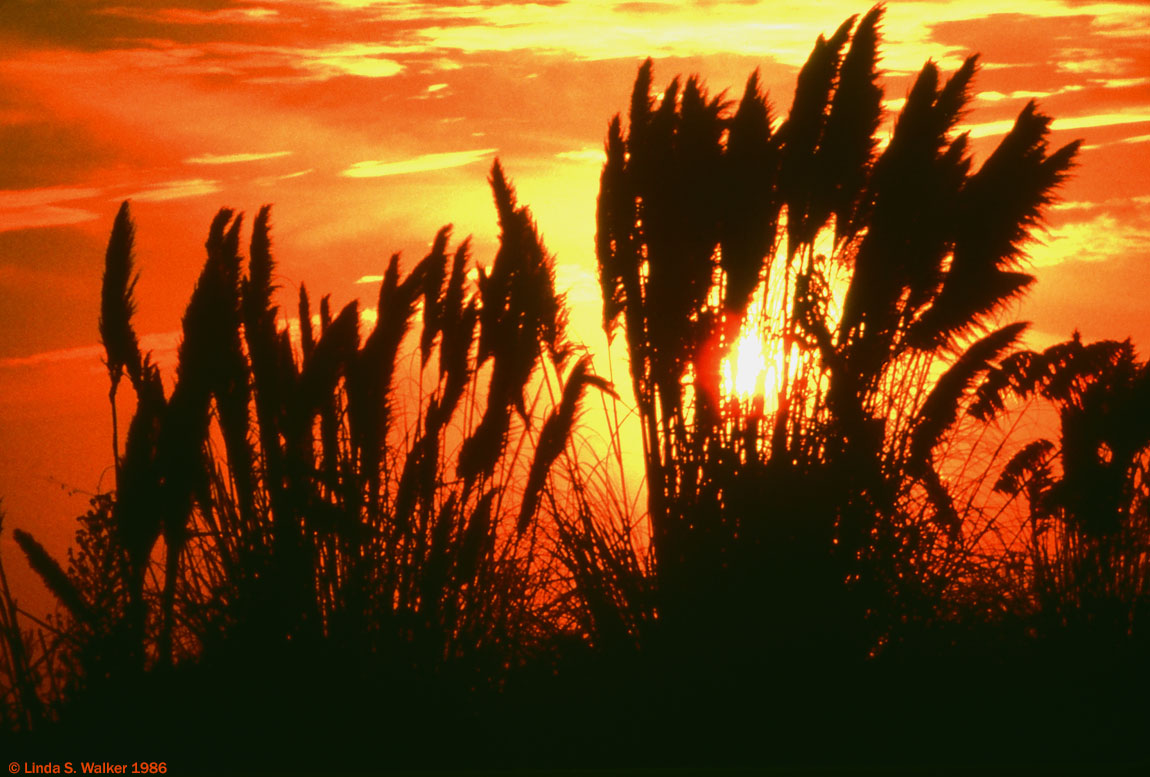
x=363 y=65
x=1124 y=141
x=1097 y=240
x=1129 y=116
x=177 y=190
x=227 y=159
x=783 y=30
x=1095 y=65
x=419 y=164
x=1122 y=83
x=1074 y=206
x=596 y=155
x=1023 y=94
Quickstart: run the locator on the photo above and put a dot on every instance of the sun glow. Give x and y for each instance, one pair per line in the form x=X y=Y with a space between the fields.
x=745 y=370
x=767 y=360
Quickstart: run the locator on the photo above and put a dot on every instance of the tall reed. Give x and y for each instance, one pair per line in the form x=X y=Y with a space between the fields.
x=297 y=500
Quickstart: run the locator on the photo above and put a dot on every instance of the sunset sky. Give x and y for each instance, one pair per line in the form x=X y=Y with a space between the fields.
x=371 y=124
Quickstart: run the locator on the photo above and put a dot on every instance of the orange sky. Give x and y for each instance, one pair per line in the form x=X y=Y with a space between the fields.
x=371 y=124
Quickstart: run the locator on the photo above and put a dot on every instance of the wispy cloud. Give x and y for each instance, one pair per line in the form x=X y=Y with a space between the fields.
x=607 y=29
x=48 y=195
x=177 y=190
x=280 y=64
x=444 y=63
x=44 y=216
x=1024 y=94
x=582 y=155
x=1109 y=66
x=1121 y=141
x=1074 y=206
x=156 y=342
x=1121 y=83
x=254 y=62
x=352 y=60
x=1108 y=203
x=1130 y=116
x=33 y=208
x=272 y=180
x=782 y=30
x=1096 y=240
x=194 y=15
x=86 y=352
x=418 y=164
x=227 y=159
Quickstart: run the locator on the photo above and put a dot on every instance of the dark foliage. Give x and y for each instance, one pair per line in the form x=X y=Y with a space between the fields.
x=326 y=554
x=825 y=474
x=278 y=515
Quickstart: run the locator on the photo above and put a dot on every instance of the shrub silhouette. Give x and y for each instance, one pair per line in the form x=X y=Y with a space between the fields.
x=278 y=506
x=1085 y=493
x=860 y=270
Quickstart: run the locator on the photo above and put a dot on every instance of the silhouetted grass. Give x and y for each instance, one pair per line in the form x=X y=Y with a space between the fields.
x=871 y=268
x=396 y=545
x=293 y=505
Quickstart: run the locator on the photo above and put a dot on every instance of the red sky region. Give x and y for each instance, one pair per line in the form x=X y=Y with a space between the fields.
x=371 y=124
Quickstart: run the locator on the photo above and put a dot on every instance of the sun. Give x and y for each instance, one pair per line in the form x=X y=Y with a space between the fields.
x=745 y=369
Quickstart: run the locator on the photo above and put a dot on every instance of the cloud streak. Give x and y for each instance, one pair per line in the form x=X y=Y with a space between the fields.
x=177 y=190
x=583 y=155
x=1136 y=115
x=34 y=208
x=1097 y=240
x=418 y=164
x=156 y=343
x=228 y=159
x=192 y=16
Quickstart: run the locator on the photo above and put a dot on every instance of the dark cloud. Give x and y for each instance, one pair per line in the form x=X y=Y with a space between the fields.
x=82 y=24
x=40 y=151
x=95 y=25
